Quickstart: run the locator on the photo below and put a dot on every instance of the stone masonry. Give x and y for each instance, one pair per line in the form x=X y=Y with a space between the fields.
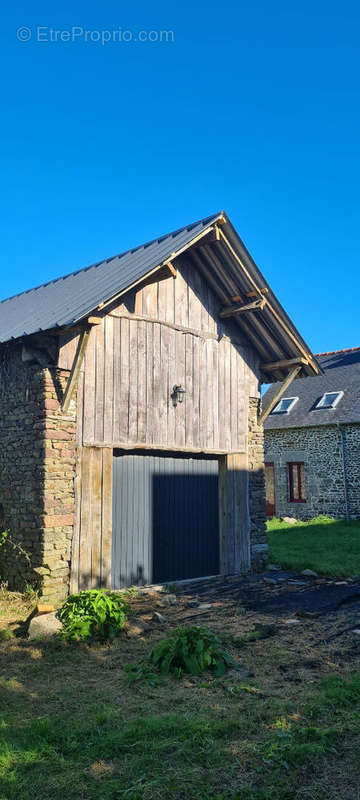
x=319 y=448
x=255 y=443
x=37 y=465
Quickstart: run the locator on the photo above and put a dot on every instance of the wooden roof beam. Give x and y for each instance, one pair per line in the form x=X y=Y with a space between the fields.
x=278 y=395
x=284 y=364
x=233 y=310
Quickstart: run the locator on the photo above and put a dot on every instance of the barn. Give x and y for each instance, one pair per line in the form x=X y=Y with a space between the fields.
x=131 y=443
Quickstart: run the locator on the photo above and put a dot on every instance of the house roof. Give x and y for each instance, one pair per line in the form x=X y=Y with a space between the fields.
x=341 y=374
x=213 y=247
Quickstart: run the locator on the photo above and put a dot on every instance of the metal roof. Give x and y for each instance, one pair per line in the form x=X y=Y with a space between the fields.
x=341 y=373
x=213 y=247
x=67 y=299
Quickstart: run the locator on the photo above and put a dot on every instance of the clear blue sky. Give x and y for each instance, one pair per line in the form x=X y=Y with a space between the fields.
x=254 y=107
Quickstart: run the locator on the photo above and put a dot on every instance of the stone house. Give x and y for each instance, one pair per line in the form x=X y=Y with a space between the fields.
x=131 y=447
x=312 y=442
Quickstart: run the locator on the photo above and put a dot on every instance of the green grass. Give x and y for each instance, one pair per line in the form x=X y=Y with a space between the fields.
x=327 y=546
x=103 y=755
x=72 y=727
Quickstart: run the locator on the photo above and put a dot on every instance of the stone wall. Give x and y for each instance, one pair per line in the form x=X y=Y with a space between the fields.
x=319 y=448
x=255 y=444
x=37 y=463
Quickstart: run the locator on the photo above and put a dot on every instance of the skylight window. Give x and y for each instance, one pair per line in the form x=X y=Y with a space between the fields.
x=329 y=400
x=284 y=405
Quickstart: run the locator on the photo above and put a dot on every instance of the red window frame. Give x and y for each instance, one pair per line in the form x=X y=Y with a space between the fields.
x=298 y=465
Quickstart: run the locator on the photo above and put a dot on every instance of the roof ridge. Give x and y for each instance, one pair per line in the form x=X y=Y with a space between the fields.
x=336 y=352
x=117 y=255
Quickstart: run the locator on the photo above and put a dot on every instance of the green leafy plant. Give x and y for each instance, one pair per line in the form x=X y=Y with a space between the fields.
x=142 y=672
x=93 y=615
x=191 y=649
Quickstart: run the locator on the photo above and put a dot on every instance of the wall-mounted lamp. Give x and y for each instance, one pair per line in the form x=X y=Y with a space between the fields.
x=177 y=394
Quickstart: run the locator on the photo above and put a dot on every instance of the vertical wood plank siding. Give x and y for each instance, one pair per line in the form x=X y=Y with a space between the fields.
x=123 y=399
x=91 y=549
x=132 y=401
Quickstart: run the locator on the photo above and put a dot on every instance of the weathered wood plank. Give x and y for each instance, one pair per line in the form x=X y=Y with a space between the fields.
x=180 y=409
x=94 y=532
x=149 y=384
x=117 y=379
x=133 y=382
x=215 y=392
x=203 y=395
x=163 y=404
x=85 y=520
x=123 y=398
x=106 y=521
x=108 y=377
x=89 y=390
x=189 y=397
x=156 y=384
x=171 y=411
x=99 y=380
x=141 y=377
x=75 y=545
x=238 y=521
x=181 y=300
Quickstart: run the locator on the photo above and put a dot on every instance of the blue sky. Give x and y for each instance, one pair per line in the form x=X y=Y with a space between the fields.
x=254 y=107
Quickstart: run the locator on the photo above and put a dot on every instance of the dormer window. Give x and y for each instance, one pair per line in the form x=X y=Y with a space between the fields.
x=284 y=405
x=329 y=400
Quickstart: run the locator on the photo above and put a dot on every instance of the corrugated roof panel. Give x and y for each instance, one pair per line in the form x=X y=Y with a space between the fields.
x=67 y=299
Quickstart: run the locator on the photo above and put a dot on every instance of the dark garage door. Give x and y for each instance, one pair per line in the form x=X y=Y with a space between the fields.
x=165 y=517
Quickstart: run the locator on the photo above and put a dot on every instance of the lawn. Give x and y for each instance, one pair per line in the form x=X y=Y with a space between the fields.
x=327 y=546
x=72 y=727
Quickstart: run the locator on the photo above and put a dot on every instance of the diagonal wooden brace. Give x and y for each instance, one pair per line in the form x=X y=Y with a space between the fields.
x=75 y=369
x=278 y=395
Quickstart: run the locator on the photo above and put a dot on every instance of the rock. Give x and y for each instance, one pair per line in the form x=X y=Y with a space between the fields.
x=289 y=520
x=204 y=606
x=44 y=625
x=170 y=600
x=270 y=581
x=293 y=582
x=239 y=674
x=158 y=617
x=273 y=567
x=137 y=628
x=309 y=573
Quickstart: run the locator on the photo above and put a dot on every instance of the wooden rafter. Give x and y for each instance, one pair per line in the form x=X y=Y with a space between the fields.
x=278 y=395
x=233 y=310
x=284 y=364
x=271 y=308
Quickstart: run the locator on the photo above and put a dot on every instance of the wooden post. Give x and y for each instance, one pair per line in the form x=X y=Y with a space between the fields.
x=278 y=395
x=234 y=514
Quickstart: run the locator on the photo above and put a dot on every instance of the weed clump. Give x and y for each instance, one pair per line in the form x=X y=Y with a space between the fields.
x=191 y=649
x=94 y=615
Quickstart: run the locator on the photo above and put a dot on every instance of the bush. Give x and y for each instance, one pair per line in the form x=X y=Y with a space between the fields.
x=95 y=614
x=191 y=649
